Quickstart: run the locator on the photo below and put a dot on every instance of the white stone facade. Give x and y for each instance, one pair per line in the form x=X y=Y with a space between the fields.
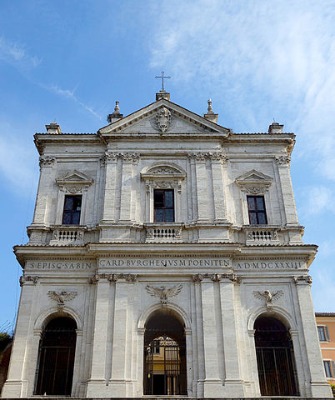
x=209 y=268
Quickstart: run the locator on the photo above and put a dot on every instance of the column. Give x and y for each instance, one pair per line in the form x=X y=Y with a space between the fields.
x=318 y=384
x=233 y=380
x=218 y=187
x=100 y=354
x=211 y=333
x=109 y=203
x=127 y=195
x=202 y=187
x=119 y=378
x=45 y=188
x=287 y=190
x=16 y=383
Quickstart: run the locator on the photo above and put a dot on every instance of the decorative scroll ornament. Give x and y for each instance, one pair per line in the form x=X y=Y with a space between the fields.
x=268 y=296
x=163 y=119
x=28 y=278
x=163 y=292
x=61 y=297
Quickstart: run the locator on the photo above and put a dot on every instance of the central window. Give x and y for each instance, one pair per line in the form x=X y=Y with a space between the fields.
x=164 y=205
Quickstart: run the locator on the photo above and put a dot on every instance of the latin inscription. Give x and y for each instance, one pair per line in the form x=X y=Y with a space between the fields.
x=270 y=265
x=52 y=265
x=168 y=262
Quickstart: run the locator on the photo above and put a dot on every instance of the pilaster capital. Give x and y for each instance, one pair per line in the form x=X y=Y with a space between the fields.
x=46 y=161
x=28 y=279
x=283 y=160
x=303 y=280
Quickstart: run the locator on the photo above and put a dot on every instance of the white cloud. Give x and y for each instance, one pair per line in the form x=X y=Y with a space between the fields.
x=70 y=94
x=17 y=165
x=267 y=59
x=317 y=200
x=15 y=54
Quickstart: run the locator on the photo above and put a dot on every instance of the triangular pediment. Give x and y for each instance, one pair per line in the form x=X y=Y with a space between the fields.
x=163 y=118
x=254 y=182
x=74 y=177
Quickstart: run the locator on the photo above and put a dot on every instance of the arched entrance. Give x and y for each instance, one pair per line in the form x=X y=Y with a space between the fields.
x=164 y=355
x=56 y=358
x=275 y=358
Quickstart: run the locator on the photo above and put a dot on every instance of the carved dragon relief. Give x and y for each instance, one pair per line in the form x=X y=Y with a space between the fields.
x=163 y=292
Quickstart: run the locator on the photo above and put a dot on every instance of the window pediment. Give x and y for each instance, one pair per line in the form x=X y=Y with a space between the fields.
x=163 y=172
x=254 y=182
x=74 y=182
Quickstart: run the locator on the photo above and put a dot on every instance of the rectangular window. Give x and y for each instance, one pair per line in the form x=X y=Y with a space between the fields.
x=163 y=205
x=256 y=210
x=328 y=369
x=323 y=333
x=72 y=210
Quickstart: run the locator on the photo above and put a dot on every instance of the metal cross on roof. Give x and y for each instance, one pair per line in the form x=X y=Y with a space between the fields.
x=162 y=77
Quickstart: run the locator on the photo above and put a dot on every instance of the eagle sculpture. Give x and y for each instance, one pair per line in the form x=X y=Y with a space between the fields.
x=62 y=296
x=163 y=292
x=268 y=296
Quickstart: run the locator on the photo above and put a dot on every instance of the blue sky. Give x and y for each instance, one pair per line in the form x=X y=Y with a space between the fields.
x=69 y=60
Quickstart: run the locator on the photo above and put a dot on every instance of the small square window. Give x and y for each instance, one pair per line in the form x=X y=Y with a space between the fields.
x=256 y=210
x=72 y=210
x=164 y=205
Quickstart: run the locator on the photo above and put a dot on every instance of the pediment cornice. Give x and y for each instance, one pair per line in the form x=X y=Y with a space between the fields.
x=171 y=112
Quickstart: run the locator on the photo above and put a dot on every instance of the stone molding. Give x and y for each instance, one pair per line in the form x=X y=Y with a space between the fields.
x=114 y=156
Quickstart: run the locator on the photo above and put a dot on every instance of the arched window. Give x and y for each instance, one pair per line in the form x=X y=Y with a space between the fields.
x=275 y=358
x=56 y=358
x=164 y=355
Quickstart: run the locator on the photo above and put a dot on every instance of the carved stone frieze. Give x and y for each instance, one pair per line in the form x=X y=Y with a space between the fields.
x=163 y=292
x=27 y=278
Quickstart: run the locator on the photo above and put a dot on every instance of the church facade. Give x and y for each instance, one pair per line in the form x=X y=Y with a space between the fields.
x=165 y=257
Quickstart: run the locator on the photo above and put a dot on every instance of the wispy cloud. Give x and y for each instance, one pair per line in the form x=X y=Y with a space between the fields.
x=17 y=168
x=70 y=94
x=282 y=51
x=317 y=200
x=16 y=54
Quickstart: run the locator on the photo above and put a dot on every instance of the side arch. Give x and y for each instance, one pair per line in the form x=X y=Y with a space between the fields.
x=46 y=316
x=276 y=312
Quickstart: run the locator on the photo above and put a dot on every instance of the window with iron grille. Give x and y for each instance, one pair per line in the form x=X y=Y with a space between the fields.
x=256 y=210
x=163 y=205
x=72 y=210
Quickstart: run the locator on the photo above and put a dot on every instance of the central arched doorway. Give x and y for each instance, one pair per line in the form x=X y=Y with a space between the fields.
x=164 y=355
x=275 y=358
